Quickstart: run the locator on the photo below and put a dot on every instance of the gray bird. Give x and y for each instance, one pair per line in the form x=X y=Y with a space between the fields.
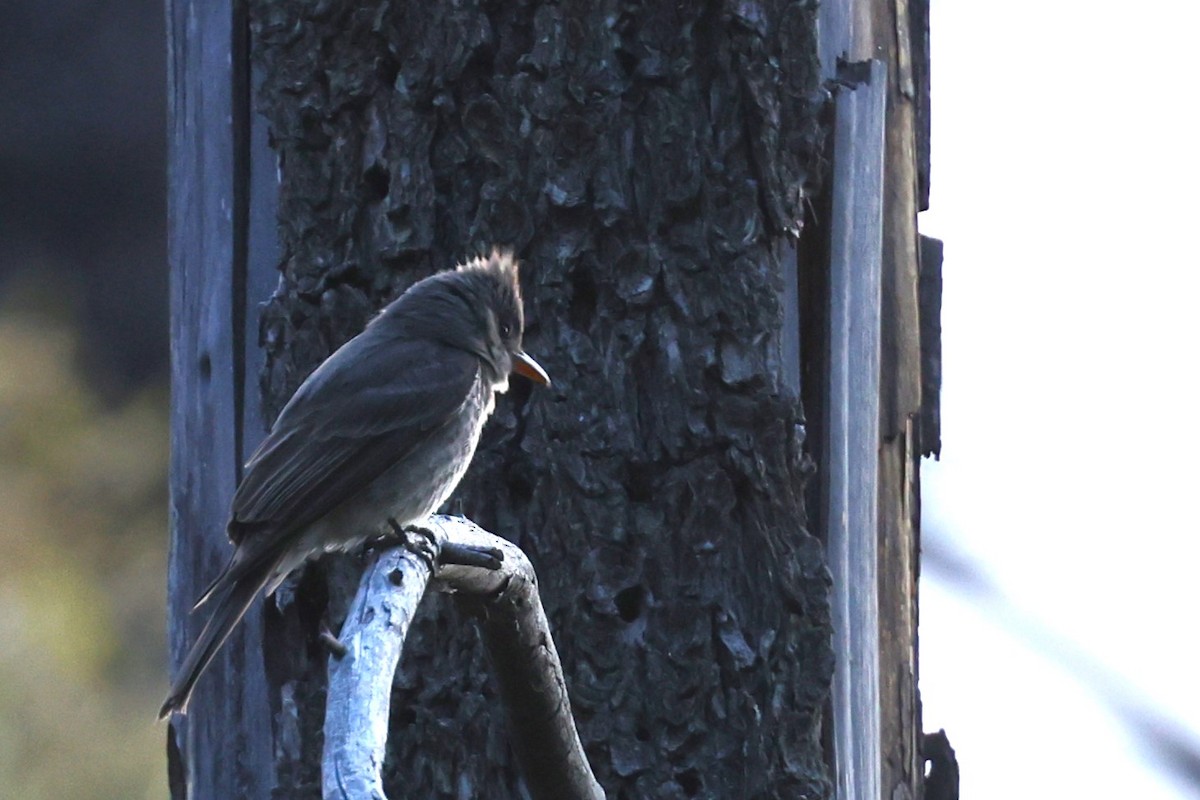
x=382 y=431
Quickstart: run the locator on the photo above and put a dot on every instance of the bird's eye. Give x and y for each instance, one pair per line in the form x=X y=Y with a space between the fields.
x=505 y=330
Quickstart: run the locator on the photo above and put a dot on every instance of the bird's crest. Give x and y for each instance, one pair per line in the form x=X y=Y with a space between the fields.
x=499 y=262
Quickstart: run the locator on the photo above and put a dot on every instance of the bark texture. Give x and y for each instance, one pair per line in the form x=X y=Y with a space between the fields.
x=646 y=162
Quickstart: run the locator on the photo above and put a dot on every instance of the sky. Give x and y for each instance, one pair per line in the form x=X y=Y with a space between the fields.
x=1066 y=186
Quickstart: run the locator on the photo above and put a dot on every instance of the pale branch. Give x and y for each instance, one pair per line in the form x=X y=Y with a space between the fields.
x=360 y=681
x=495 y=583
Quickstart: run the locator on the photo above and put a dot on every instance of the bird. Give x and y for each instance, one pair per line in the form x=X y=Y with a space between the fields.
x=376 y=438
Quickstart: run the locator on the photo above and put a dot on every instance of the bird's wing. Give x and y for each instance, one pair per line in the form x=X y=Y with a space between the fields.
x=339 y=433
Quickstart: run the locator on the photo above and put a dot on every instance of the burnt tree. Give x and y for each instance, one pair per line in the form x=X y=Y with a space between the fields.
x=652 y=165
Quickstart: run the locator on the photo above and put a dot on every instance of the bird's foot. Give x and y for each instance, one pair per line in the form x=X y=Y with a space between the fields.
x=415 y=539
x=419 y=540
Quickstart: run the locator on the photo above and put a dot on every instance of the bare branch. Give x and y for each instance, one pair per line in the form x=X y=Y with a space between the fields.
x=360 y=682
x=495 y=584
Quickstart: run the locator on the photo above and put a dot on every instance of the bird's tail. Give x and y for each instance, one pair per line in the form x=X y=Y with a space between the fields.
x=232 y=593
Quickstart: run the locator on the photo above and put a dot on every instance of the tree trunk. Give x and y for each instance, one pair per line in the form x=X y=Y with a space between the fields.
x=651 y=165
x=647 y=166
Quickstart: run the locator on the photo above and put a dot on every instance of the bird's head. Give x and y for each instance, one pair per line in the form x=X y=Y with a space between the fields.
x=476 y=307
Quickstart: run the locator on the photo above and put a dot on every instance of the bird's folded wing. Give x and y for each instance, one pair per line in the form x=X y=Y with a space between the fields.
x=342 y=432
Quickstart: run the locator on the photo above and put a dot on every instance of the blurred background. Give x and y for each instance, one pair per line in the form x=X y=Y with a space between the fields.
x=1059 y=643
x=83 y=398
x=1059 y=648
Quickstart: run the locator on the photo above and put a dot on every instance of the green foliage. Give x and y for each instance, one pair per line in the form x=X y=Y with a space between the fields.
x=83 y=504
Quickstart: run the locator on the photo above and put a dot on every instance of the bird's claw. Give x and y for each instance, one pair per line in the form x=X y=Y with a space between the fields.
x=417 y=540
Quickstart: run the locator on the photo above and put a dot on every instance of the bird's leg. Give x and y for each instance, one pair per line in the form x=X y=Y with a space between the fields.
x=415 y=539
x=400 y=536
x=396 y=537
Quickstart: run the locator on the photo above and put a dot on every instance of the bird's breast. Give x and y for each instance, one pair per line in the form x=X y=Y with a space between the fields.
x=418 y=484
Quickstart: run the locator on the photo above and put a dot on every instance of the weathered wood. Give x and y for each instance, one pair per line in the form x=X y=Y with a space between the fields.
x=931 y=347
x=942 y=783
x=851 y=452
x=837 y=37
x=899 y=550
x=507 y=607
x=261 y=273
x=895 y=33
x=360 y=680
x=505 y=603
x=223 y=748
x=918 y=16
x=900 y=405
x=900 y=396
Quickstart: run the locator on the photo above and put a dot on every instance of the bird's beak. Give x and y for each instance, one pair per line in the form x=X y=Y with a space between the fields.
x=525 y=366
